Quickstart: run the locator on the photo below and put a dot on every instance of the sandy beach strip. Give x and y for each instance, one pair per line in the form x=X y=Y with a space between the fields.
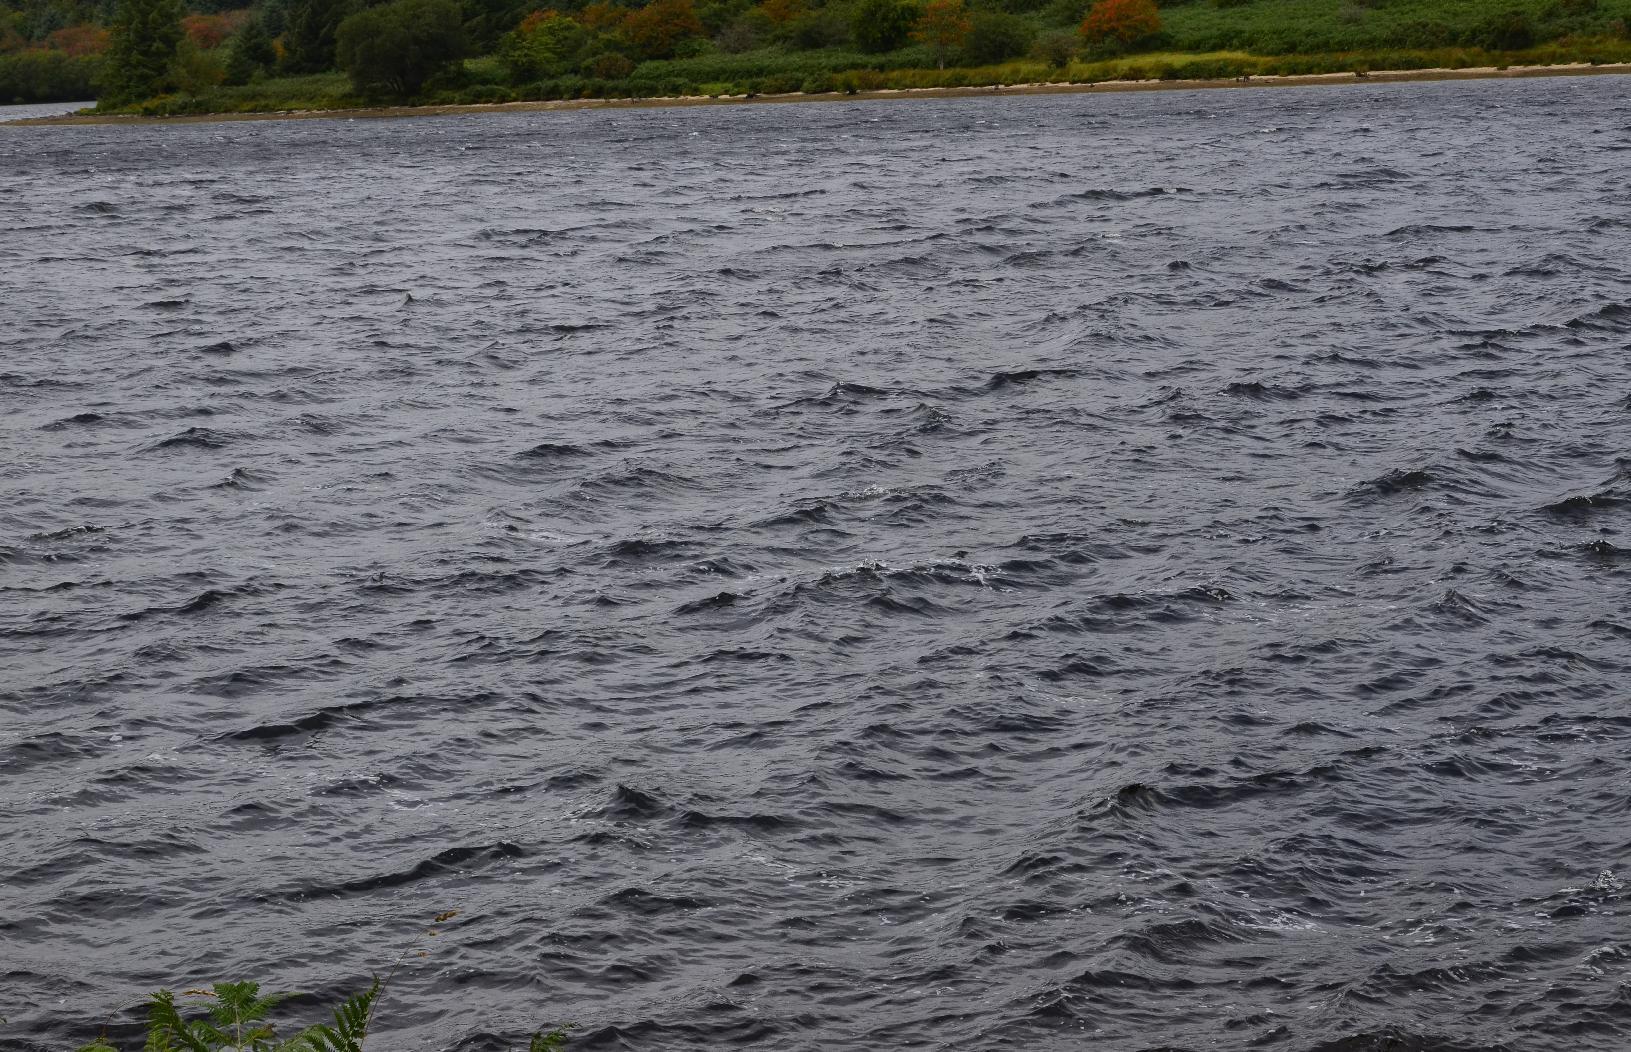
x=1099 y=87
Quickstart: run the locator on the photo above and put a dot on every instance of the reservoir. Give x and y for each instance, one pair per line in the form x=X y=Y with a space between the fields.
x=1100 y=571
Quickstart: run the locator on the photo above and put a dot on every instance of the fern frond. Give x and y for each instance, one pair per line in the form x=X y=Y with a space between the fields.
x=232 y=1002
x=350 y=1027
x=553 y=1041
x=167 y=1031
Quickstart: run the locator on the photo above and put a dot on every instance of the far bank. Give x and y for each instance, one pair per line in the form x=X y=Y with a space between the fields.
x=858 y=94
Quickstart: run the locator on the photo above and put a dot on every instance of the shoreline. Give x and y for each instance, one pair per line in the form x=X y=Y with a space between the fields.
x=1065 y=88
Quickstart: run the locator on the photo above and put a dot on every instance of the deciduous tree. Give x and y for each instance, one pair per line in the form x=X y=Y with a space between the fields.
x=211 y=31
x=883 y=25
x=1120 y=23
x=602 y=16
x=80 y=40
x=997 y=37
x=394 y=49
x=654 y=30
x=545 y=44
x=942 y=26
x=781 y=12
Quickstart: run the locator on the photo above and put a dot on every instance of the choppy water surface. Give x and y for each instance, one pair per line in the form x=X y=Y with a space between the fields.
x=1093 y=572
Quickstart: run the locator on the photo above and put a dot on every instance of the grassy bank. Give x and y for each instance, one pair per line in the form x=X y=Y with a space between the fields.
x=771 y=73
x=265 y=58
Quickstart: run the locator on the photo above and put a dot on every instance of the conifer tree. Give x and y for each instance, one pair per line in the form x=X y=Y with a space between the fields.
x=146 y=37
x=251 y=53
x=309 y=41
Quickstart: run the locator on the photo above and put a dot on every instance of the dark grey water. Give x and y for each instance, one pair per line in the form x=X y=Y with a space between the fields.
x=1098 y=572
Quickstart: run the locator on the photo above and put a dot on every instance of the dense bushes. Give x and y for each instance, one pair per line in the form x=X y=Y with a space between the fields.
x=546 y=44
x=394 y=49
x=883 y=25
x=995 y=36
x=38 y=75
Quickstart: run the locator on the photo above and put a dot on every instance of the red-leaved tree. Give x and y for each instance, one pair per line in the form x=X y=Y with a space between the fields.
x=655 y=30
x=943 y=26
x=211 y=31
x=782 y=12
x=79 y=40
x=1120 y=23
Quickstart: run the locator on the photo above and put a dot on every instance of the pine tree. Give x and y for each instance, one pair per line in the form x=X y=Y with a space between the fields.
x=146 y=36
x=251 y=53
x=309 y=42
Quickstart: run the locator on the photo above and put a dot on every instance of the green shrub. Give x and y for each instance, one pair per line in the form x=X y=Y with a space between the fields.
x=1064 y=12
x=394 y=49
x=822 y=28
x=1056 y=47
x=486 y=94
x=882 y=25
x=995 y=37
x=780 y=84
x=745 y=33
x=609 y=66
x=858 y=80
x=38 y=75
x=1020 y=7
x=1509 y=30
x=543 y=46
x=194 y=71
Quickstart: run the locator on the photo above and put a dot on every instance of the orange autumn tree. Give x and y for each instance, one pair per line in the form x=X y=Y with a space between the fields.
x=602 y=16
x=943 y=26
x=536 y=19
x=781 y=12
x=1119 y=24
x=211 y=31
x=656 y=29
x=77 y=41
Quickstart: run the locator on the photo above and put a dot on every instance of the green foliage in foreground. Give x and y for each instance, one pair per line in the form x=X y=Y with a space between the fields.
x=236 y=1021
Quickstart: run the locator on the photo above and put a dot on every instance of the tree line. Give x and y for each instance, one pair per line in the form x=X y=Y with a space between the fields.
x=157 y=56
x=394 y=48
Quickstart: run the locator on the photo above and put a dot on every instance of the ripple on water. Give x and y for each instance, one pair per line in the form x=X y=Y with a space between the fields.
x=986 y=573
